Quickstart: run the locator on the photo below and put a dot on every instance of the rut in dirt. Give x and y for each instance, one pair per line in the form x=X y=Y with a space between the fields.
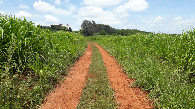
x=68 y=94
x=126 y=96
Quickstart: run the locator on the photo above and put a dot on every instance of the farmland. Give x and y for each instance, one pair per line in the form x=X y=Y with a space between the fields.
x=34 y=60
x=162 y=64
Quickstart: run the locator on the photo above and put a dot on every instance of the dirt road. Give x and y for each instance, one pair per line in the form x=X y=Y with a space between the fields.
x=67 y=96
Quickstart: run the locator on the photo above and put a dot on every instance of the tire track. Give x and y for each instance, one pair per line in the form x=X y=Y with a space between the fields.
x=68 y=94
x=126 y=96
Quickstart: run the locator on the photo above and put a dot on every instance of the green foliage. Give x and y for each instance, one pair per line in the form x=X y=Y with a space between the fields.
x=56 y=27
x=32 y=60
x=89 y=28
x=102 y=33
x=162 y=64
x=97 y=94
x=128 y=32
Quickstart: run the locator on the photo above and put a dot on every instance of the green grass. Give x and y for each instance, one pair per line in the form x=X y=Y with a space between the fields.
x=33 y=61
x=97 y=93
x=162 y=64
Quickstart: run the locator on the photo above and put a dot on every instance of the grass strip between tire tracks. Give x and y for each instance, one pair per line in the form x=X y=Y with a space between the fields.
x=97 y=92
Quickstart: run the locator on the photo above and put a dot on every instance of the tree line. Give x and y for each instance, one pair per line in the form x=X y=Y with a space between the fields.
x=56 y=27
x=90 y=28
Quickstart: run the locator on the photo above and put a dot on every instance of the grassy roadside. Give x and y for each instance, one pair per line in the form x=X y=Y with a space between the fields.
x=97 y=93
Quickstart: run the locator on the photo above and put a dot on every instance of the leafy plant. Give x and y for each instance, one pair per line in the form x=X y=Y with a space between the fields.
x=162 y=64
x=33 y=61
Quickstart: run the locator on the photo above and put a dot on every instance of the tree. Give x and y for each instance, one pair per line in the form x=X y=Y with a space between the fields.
x=89 y=28
x=86 y=28
x=70 y=29
x=102 y=33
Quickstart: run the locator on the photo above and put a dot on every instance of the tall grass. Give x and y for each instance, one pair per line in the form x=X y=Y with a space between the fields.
x=32 y=61
x=162 y=64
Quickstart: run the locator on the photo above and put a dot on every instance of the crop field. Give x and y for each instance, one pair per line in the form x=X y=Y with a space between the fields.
x=162 y=64
x=34 y=61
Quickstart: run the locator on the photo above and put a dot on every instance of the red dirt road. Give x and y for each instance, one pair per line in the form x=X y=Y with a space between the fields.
x=68 y=94
x=126 y=96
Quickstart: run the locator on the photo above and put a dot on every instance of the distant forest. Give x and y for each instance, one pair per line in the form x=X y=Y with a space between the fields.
x=89 y=28
x=56 y=27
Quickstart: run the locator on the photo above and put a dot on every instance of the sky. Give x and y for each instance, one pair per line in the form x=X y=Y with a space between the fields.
x=164 y=16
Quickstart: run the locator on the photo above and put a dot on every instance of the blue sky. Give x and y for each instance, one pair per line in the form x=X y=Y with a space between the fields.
x=166 y=16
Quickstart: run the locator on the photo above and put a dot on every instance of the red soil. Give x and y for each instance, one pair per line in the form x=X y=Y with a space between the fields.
x=67 y=95
x=126 y=96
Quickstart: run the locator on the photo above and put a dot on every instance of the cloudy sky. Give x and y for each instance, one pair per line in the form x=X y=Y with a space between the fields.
x=167 y=16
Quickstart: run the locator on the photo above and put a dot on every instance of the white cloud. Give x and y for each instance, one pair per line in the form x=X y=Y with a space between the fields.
x=43 y=6
x=61 y=12
x=2 y=1
x=179 y=25
x=157 y=20
x=102 y=3
x=190 y=22
x=91 y=12
x=99 y=15
x=178 y=18
x=137 y=5
x=57 y=2
x=72 y=8
x=23 y=14
x=108 y=20
x=132 y=5
x=167 y=25
x=46 y=7
x=49 y=19
x=66 y=1
x=23 y=6
x=130 y=26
